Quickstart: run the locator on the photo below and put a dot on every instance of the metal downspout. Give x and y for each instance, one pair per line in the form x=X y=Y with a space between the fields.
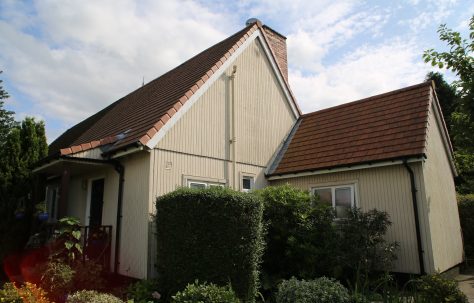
x=417 y=219
x=120 y=169
x=233 y=139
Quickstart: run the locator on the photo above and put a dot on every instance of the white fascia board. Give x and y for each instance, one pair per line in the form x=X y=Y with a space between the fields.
x=442 y=130
x=343 y=169
x=195 y=97
x=279 y=76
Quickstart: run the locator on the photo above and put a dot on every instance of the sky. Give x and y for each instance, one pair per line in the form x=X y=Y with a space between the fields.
x=64 y=60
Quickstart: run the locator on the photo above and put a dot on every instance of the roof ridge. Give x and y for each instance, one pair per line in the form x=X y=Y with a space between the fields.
x=367 y=99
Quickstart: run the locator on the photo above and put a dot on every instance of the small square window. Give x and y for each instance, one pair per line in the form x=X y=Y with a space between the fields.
x=247 y=183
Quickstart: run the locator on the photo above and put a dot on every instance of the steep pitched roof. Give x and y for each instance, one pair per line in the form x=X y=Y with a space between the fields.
x=383 y=127
x=135 y=118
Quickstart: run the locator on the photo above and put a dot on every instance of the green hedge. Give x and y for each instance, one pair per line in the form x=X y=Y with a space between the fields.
x=321 y=290
x=466 y=216
x=212 y=235
x=205 y=293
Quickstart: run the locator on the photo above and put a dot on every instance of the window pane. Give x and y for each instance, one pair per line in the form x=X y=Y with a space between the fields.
x=324 y=195
x=197 y=185
x=343 y=201
x=247 y=183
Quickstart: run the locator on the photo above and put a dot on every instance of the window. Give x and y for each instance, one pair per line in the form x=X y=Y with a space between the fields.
x=203 y=184
x=52 y=202
x=247 y=183
x=341 y=197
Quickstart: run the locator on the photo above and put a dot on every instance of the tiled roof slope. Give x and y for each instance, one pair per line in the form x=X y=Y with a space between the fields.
x=388 y=126
x=143 y=112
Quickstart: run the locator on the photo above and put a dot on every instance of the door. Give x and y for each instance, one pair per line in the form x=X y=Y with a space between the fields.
x=97 y=202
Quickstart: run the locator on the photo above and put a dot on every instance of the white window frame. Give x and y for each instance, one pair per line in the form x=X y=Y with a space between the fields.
x=252 y=182
x=207 y=182
x=333 y=193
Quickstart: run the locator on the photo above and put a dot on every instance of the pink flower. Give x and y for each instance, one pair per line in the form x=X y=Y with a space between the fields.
x=156 y=295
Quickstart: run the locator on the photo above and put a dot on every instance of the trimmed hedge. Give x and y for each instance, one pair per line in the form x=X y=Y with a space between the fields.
x=321 y=290
x=205 y=293
x=213 y=235
x=466 y=216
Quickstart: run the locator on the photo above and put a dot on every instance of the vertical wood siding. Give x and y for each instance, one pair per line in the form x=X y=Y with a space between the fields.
x=94 y=153
x=198 y=144
x=135 y=220
x=384 y=188
x=441 y=205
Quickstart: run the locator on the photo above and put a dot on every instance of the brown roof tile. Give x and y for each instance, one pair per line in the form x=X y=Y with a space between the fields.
x=141 y=113
x=388 y=126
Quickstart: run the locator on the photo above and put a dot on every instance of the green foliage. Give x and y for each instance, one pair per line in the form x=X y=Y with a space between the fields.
x=9 y=294
x=27 y=293
x=69 y=235
x=364 y=252
x=143 y=291
x=301 y=238
x=213 y=235
x=466 y=216
x=57 y=279
x=89 y=275
x=21 y=146
x=460 y=60
x=92 y=296
x=205 y=293
x=435 y=288
x=321 y=290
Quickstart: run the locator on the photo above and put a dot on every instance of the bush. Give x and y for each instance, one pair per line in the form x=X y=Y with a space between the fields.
x=57 y=279
x=321 y=290
x=92 y=296
x=88 y=276
x=143 y=291
x=466 y=216
x=9 y=294
x=435 y=288
x=205 y=293
x=364 y=253
x=301 y=238
x=213 y=235
x=28 y=293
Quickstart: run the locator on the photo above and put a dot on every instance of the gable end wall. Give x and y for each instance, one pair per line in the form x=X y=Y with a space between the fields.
x=440 y=205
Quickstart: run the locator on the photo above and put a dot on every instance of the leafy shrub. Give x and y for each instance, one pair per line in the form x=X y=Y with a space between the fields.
x=9 y=294
x=205 y=293
x=321 y=290
x=364 y=253
x=213 y=235
x=92 y=296
x=27 y=293
x=68 y=236
x=88 y=276
x=57 y=279
x=466 y=216
x=435 y=288
x=143 y=291
x=301 y=238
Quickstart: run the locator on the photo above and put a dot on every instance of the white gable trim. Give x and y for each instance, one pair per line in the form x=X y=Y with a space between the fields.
x=195 y=97
x=444 y=135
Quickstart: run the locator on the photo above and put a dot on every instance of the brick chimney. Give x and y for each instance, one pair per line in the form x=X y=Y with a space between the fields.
x=278 y=44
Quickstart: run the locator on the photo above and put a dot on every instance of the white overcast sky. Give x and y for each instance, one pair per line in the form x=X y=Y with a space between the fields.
x=64 y=60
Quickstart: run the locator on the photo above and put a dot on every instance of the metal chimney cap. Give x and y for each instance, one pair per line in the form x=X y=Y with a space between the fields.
x=252 y=21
